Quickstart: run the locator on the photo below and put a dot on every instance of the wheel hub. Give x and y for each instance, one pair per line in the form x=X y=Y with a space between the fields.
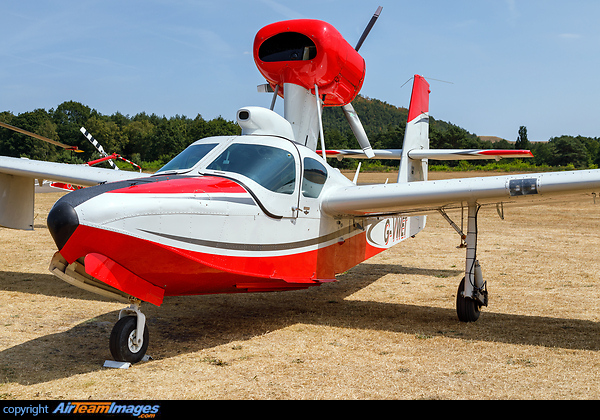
x=133 y=344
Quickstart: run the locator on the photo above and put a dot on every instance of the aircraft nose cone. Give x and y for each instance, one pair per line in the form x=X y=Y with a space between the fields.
x=62 y=222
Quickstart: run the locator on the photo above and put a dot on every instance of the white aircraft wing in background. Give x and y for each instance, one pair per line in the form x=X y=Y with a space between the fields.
x=17 y=185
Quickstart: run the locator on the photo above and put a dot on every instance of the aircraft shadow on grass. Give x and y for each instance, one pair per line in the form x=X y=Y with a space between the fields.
x=191 y=324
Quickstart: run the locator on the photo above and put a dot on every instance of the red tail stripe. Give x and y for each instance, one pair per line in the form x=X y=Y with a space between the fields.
x=506 y=152
x=419 y=101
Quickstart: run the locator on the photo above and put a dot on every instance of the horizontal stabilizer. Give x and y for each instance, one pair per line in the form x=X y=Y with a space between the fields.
x=474 y=154
x=435 y=154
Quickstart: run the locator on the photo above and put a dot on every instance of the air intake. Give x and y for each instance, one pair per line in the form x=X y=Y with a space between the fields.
x=256 y=121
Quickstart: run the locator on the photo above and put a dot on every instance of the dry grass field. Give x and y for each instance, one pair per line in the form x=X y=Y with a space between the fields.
x=386 y=330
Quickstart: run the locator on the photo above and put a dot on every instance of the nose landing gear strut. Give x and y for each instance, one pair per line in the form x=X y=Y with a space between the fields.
x=129 y=337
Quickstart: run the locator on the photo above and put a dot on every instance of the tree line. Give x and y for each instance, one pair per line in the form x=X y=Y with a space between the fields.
x=151 y=140
x=148 y=140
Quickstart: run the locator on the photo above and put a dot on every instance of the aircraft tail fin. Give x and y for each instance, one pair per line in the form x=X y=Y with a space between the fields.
x=416 y=135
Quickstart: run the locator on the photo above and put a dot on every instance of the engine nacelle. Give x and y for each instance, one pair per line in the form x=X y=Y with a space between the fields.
x=306 y=52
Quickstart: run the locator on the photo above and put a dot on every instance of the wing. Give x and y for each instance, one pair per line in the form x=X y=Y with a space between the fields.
x=17 y=190
x=74 y=174
x=435 y=154
x=424 y=197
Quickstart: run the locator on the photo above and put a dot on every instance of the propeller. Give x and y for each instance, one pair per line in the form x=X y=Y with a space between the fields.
x=349 y=112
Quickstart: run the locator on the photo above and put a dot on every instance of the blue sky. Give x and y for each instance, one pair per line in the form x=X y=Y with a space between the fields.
x=511 y=62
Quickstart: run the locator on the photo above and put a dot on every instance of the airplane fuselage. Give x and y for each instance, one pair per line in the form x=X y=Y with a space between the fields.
x=230 y=214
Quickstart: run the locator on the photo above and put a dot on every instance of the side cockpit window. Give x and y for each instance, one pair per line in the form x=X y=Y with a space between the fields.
x=313 y=178
x=271 y=167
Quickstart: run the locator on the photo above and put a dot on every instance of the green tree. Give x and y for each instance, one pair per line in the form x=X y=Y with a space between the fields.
x=140 y=133
x=107 y=133
x=69 y=117
x=522 y=142
x=568 y=150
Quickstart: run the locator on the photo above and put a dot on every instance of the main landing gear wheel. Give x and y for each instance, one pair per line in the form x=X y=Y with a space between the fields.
x=124 y=343
x=467 y=309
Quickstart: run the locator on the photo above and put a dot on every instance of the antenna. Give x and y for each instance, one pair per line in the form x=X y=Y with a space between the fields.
x=428 y=78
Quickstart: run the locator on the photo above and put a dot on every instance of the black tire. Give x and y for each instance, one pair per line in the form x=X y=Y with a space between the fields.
x=467 y=309
x=121 y=343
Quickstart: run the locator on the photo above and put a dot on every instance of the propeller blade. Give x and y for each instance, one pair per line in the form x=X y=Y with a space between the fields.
x=349 y=112
x=358 y=130
x=368 y=28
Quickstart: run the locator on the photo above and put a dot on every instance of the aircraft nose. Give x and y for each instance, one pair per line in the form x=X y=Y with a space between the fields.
x=62 y=222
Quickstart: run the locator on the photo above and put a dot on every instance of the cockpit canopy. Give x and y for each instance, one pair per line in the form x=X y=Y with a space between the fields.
x=271 y=167
x=276 y=165
x=188 y=158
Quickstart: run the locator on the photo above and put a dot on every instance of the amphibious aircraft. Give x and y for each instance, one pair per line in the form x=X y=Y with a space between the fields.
x=264 y=211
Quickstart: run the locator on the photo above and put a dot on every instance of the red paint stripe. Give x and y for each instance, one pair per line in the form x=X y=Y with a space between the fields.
x=506 y=153
x=207 y=184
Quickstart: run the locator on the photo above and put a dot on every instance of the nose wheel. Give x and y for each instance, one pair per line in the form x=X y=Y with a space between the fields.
x=129 y=337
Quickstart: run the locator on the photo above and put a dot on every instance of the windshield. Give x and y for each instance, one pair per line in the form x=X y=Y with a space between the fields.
x=188 y=158
x=271 y=167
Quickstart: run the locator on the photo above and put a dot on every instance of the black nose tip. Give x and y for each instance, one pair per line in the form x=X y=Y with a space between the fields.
x=62 y=222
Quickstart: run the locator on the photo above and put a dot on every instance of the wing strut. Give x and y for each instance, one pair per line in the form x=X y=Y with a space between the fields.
x=320 y=112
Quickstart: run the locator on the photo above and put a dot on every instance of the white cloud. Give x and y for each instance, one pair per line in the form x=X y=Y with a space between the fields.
x=570 y=36
x=512 y=11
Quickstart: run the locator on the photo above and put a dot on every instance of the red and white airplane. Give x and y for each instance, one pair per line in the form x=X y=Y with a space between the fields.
x=263 y=211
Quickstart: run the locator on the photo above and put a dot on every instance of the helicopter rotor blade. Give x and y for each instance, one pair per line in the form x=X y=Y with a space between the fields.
x=37 y=136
